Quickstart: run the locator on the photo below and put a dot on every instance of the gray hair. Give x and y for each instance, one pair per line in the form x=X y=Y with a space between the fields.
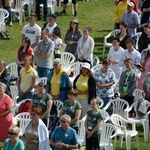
x=3 y=85
x=67 y=117
x=57 y=60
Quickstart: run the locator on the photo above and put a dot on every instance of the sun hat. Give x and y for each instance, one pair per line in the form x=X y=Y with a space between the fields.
x=75 y=20
x=86 y=65
x=130 y=4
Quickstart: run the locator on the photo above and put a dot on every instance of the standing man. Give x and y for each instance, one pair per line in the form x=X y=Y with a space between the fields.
x=44 y=54
x=32 y=31
x=64 y=137
x=132 y=19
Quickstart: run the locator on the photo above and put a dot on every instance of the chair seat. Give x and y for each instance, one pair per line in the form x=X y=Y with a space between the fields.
x=137 y=120
x=104 y=144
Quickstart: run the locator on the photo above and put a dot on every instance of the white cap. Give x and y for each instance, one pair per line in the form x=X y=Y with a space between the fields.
x=86 y=65
x=130 y=4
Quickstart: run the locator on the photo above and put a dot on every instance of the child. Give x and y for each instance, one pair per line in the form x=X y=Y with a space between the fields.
x=92 y=126
x=58 y=43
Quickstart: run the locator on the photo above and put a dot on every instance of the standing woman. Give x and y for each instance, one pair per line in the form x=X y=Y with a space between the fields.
x=27 y=79
x=42 y=100
x=6 y=121
x=85 y=46
x=13 y=142
x=105 y=79
x=36 y=136
x=72 y=108
x=92 y=126
x=86 y=87
x=24 y=50
x=72 y=37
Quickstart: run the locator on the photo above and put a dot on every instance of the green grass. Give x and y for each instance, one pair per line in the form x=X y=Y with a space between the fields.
x=97 y=14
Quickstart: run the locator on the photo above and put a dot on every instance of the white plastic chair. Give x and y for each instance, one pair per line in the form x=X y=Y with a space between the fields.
x=3 y=15
x=144 y=120
x=67 y=58
x=22 y=119
x=14 y=93
x=138 y=34
x=81 y=133
x=108 y=132
x=95 y=60
x=96 y=67
x=42 y=79
x=105 y=115
x=63 y=48
x=106 y=43
x=138 y=94
x=119 y=106
x=120 y=123
x=101 y=102
x=59 y=105
x=19 y=8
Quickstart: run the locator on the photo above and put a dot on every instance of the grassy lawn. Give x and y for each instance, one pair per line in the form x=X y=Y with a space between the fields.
x=96 y=13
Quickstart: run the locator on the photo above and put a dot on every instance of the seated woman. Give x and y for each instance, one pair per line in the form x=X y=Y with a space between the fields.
x=105 y=79
x=72 y=108
x=123 y=35
x=85 y=46
x=36 y=136
x=24 y=50
x=13 y=142
x=58 y=83
x=42 y=100
x=86 y=87
x=27 y=79
x=144 y=40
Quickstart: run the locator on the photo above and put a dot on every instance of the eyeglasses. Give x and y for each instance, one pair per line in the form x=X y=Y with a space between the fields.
x=63 y=121
x=32 y=114
x=11 y=133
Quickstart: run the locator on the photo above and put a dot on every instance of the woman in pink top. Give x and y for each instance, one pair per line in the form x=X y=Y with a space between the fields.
x=5 y=113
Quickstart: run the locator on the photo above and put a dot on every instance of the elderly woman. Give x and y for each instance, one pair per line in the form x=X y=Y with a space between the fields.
x=36 y=136
x=58 y=83
x=72 y=108
x=85 y=46
x=42 y=100
x=27 y=79
x=123 y=35
x=72 y=37
x=86 y=87
x=5 y=113
x=5 y=76
x=105 y=79
x=24 y=50
x=13 y=142
x=144 y=40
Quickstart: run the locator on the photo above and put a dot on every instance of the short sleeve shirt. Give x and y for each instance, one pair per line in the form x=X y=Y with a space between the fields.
x=71 y=110
x=41 y=101
x=92 y=121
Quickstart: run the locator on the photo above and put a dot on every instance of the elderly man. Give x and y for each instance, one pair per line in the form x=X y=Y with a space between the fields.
x=44 y=54
x=132 y=19
x=64 y=137
x=32 y=31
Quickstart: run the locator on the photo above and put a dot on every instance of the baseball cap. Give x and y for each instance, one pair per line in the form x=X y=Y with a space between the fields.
x=52 y=16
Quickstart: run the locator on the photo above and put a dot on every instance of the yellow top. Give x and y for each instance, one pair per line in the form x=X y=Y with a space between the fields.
x=119 y=11
x=82 y=85
x=55 y=83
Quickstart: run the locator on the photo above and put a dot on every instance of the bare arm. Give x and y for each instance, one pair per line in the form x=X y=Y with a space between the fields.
x=36 y=42
x=9 y=110
x=77 y=116
x=45 y=55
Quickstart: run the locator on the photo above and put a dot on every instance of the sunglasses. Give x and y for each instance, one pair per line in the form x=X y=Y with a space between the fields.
x=11 y=133
x=63 y=121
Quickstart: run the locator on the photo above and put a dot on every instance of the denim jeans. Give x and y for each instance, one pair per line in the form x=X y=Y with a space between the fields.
x=26 y=96
x=8 y=8
x=43 y=72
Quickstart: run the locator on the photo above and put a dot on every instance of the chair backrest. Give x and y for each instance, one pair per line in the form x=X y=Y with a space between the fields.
x=118 y=107
x=14 y=92
x=12 y=68
x=105 y=115
x=138 y=34
x=67 y=58
x=96 y=67
x=101 y=102
x=19 y=4
x=3 y=15
x=108 y=131
x=59 y=105
x=95 y=60
x=138 y=94
x=22 y=119
x=42 y=79
x=63 y=48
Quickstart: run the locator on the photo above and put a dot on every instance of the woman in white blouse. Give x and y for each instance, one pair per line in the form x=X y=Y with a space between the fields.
x=85 y=46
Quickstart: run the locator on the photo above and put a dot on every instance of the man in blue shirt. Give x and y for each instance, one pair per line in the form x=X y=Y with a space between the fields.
x=64 y=137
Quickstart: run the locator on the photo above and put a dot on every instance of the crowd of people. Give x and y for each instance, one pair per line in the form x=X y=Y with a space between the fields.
x=125 y=66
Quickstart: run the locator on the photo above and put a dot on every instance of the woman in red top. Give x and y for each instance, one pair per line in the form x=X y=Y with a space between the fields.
x=24 y=50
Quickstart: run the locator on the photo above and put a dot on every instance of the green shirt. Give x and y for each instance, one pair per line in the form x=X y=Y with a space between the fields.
x=125 y=86
x=92 y=121
x=41 y=102
x=71 y=110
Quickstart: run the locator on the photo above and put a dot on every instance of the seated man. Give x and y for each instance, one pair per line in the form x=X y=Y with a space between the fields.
x=64 y=137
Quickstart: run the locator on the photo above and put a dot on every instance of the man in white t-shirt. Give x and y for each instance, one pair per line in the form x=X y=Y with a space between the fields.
x=32 y=30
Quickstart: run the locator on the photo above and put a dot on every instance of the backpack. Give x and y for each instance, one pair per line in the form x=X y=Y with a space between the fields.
x=24 y=107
